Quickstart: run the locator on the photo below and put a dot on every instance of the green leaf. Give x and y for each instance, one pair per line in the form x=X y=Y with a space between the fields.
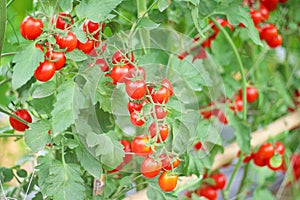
x=147 y=24
x=194 y=2
x=266 y=194
x=154 y=192
x=66 y=109
x=163 y=4
x=207 y=7
x=96 y=10
x=66 y=5
x=222 y=52
x=88 y=162
x=113 y=159
x=44 y=165
x=241 y=132
x=182 y=139
x=126 y=181
x=37 y=136
x=44 y=90
x=80 y=34
x=65 y=182
x=6 y=174
x=280 y=87
x=102 y=142
x=76 y=55
x=26 y=63
x=43 y=105
x=22 y=173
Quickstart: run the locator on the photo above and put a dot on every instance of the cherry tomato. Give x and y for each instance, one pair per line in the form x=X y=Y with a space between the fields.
x=269 y=32
x=92 y=28
x=63 y=21
x=275 y=163
x=167 y=181
x=31 y=28
x=266 y=151
x=139 y=145
x=135 y=106
x=58 y=58
x=208 y=192
x=279 y=147
x=40 y=47
x=136 y=89
x=220 y=115
x=163 y=131
x=166 y=162
x=256 y=16
x=86 y=47
x=150 y=167
x=102 y=64
x=68 y=42
x=160 y=112
x=270 y=4
x=275 y=42
x=134 y=118
x=247 y=158
x=198 y=146
x=118 y=57
x=259 y=161
x=220 y=181
x=207 y=43
x=45 y=71
x=17 y=125
x=167 y=84
x=119 y=74
x=239 y=104
x=160 y=95
x=264 y=12
x=251 y=94
x=140 y=73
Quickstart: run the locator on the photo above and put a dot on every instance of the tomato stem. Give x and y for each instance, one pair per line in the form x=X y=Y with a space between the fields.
x=244 y=180
x=14 y=116
x=144 y=34
x=2 y=23
x=240 y=64
x=5 y=135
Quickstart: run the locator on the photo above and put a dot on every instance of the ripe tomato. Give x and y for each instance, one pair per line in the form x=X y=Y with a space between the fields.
x=160 y=112
x=45 y=71
x=40 y=47
x=31 y=28
x=136 y=119
x=150 y=167
x=269 y=32
x=167 y=84
x=167 y=181
x=208 y=192
x=102 y=64
x=259 y=161
x=92 y=28
x=279 y=147
x=266 y=151
x=139 y=145
x=160 y=95
x=275 y=42
x=264 y=12
x=166 y=162
x=220 y=181
x=86 y=47
x=220 y=115
x=163 y=131
x=119 y=74
x=63 y=21
x=251 y=94
x=270 y=4
x=58 y=58
x=197 y=146
x=256 y=16
x=135 y=106
x=247 y=158
x=207 y=43
x=17 y=125
x=68 y=42
x=239 y=104
x=118 y=57
x=136 y=89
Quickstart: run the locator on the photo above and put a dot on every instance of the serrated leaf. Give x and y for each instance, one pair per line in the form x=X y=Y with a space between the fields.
x=76 y=55
x=66 y=5
x=80 y=34
x=44 y=90
x=241 y=132
x=26 y=63
x=101 y=142
x=113 y=159
x=88 y=162
x=147 y=24
x=36 y=137
x=96 y=10
x=65 y=182
x=163 y=4
x=43 y=167
x=66 y=109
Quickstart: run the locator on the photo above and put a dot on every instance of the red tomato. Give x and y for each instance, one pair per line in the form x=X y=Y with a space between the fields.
x=275 y=42
x=31 y=28
x=220 y=181
x=68 y=42
x=266 y=151
x=118 y=57
x=256 y=16
x=167 y=84
x=163 y=131
x=283 y=1
x=58 y=58
x=167 y=181
x=251 y=94
x=207 y=43
x=183 y=55
x=279 y=147
x=92 y=28
x=136 y=89
x=135 y=106
x=247 y=158
x=160 y=95
x=140 y=73
x=45 y=71
x=264 y=12
x=270 y=4
x=239 y=104
x=119 y=74
x=17 y=125
x=269 y=32
x=150 y=167
x=275 y=165
x=136 y=120
x=220 y=115
x=197 y=146
x=166 y=162
x=208 y=192
x=139 y=145
x=160 y=112
x=86 y=47
x=102 y=64
x=259 y=161
x=63 y=20
x=40 y=47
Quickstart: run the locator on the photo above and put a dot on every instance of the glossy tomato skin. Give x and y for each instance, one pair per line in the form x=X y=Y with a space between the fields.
x=266 y=151
x=259 y=161
x=86 y=47
x=166 y=162
x=136 y=89
x=207 y=192
x=167 y=84
x=269 y=32
x=251 y=94
x=160 y=112
x=139 y=145
x=92 y=28
x=275 y=42
x=102 y=64
x=45 y=71
x=270 y=4
x=119 y=74
x=17 y=125
x=161 y=95
x=63 y=21
x=264 y=12
x=239 y=104
x=31 y=28
x=134 y=118
x=279 y=147
x=163 y=131
x=150 y=167
x=68 y=42
x=167 y=181
x=220 y=181
x=198 y=146
x=256 y=16
x=58 y=58
x=134 y=106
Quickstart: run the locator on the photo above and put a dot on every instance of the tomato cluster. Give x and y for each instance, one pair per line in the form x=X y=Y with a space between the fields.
x=210 y=191
x=16 y=124
x=55 y=58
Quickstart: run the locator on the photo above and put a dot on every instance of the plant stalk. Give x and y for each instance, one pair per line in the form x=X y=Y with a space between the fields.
x=2 y=23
